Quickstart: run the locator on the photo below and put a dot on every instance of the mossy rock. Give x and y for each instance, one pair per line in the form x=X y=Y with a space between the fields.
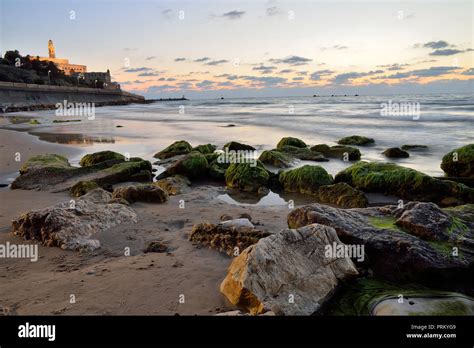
x=34 y=122
x=276 y=158
x=338 y=151
x=305 y=179
x=205 y=149
x=303 y=153
x=217 y=172
x=459 y=162
x=193 y=165
x=356 y=140
x=389 y=178
x=211 y=157
x=180 y=147
x=395 y=152
x=342 y=195
x=82 y=187
x=291 y=142
x=235 y=146
x=246 y=177
x=413 y=147
x=52 y=161
x=141 y=193
x=363 y=296
x=124 y=171
x=98 y=157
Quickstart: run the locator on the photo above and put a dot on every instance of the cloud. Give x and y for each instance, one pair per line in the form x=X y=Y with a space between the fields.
x=434 y=71
x=132 y=70
x=345 y=77
x=286 y=71
x=217 y=62
x=445 y=52
x=272 y=11
x=203 y=59
x=264 y=69
x=149 y=73
x=292 y=60
x=228 y=76
x=167 y=13
x=150 y=58
x=393 y=67
x=233 y=14
x=302 y=73
x=179 y=59
x=128 y=49
x=266 y=80
x=205 y=83
x=335 y=47
x=468 y=72
x=316 y=76
x=436 y=44
x=298 y=78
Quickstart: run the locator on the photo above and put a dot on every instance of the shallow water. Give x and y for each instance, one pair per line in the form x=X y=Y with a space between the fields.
x=445 y=122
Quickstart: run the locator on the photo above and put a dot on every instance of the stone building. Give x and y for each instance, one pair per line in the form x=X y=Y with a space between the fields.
x=63 y=64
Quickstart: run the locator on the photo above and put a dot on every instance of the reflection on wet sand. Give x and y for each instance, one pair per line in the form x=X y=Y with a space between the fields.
x=271 y=199
x=73 y=138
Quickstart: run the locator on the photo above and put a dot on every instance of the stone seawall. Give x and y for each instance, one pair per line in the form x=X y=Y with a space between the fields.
x=24 y=96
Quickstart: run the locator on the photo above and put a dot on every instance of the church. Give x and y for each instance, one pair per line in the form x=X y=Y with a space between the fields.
x=63 y=64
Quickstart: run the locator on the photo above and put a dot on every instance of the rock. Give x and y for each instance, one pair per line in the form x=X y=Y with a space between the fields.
x=226 y=238
x=305 y=179
x=53 y=173
x=52 y=161
x=155 y=247
x=237 y=223
x=425 y=220
x=82 y=187
x=343 y=195
x=342 y=152
x=205 y=149
x=235 y=146
x=303 y=153
x=246 y=177
x=180 y=147
x=406 y=183
x=193 y=165
x=459 y=162
x=276 y=158
x=287 y=265
x=245 y=216
x=395 y=152
x=392 y=252
x=142 y=176
x=226 y=217
x=119 y=201
x=217 y=171
x=356 y=140
x=98 y=157
x=174 y=185
x=141 y=193
x=291 y=142
x=414 y=147
x=71 y=226
x=449 y=305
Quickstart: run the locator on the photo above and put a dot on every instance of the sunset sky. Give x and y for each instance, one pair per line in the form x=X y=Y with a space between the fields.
x=254 y=48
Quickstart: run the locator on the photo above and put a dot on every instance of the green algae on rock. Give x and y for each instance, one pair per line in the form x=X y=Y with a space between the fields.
x=180 y=147
x=276 y=158
x=356 y=140
x=342 y=152
x=82 y=187
x=305 y=179
x=290 y=141
x=246 y=176
x=459 y=162
x=98 y=157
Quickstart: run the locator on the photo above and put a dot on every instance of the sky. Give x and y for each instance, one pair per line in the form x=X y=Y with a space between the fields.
x=228 y=48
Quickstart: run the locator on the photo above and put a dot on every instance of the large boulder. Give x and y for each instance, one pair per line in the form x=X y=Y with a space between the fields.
x=141 y=193
x=342 y=195
x=291 y=142
x=205 y=149
x=394 y=249
x=414 y=147
x=288 y=273
x=305 y=179
x=193 y=165
x=459 y=162
x=247 y=176
x=303 y=153
x=356 y=140
x=70 y=225
x=406 y=183
x=276 y=158
x=229 y=237
x=236 y=146
x=54 y=173
x=180 y=147
x=395 y=152
x=98 y=157
x=82 y=187
x=342 y=152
